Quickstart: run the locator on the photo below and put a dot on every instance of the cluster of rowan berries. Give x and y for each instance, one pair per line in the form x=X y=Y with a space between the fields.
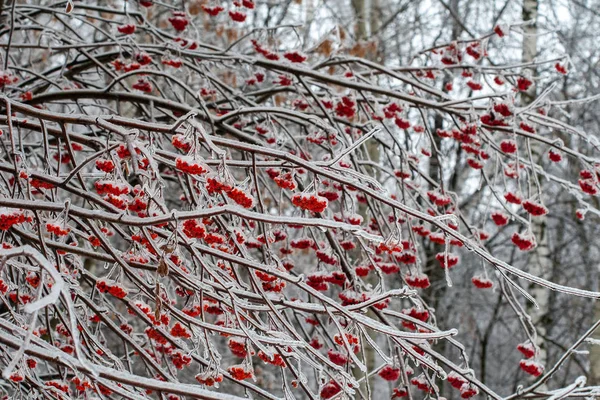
x=310 y=202
x=11 y=217
x=482 y=282
x=112 y=288
x=190 y=165
x=417 y=280
x=524 y=241
x=240 y=372
x=389 y=373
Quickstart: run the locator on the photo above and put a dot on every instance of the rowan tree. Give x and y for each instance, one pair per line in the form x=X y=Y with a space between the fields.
x=194 y=208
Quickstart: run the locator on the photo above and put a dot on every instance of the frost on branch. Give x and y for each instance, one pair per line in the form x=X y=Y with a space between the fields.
x=248 y=217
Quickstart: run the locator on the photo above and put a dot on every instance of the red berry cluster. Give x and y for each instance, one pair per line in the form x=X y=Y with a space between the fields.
x=350 y=297
x=336 y=357
x=237 y=346
x=534 y=209
x=316 y=280
x=179 y=21
x=448 y=260
x=126 y=29
x=63 y=387
x=439 y=199
x=524 y=241
x=311 y=202
x=330 y=389
x=181 y=331
x=421 y=315
x=389 y=373
x=513 y=198
x=240 y=372
x=285 y=181
x=418 y=280
x=508 y=146
x=467 y=391
x=523 y=84
x=346 y=107
x=173 y=62
x=327 y=257
x=527 y=349
x=213 y=12
x=499 y=218
x=142 y=85
x=189 y=165
x=268 y=54
x=57 y=229
x=241 y=197
x=181 y=142
x=554 y=156
x=111 y=187
x=143 y=58
x=402 y=123
x=482 y=282
x=237 y=16
x=456 y=380
x=209 y=379
x=275 y=359
x=214 y=185
x=295 y=56
x=532 y=367
x=421 y=383
x=118 y=201
x=105 y=165
x=9 y=218
x=388 y=268
x=114 y=289
x=180 y=360
x=193 y=228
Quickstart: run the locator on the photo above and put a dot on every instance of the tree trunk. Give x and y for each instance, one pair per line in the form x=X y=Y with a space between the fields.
x=540 y=263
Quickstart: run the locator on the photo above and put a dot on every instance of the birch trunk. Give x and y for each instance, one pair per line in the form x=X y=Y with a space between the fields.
x=540 y=263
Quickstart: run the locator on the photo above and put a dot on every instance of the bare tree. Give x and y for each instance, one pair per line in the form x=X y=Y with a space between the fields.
x=195 y=207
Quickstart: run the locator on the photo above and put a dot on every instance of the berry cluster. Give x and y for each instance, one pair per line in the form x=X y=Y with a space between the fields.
x=295 y=56
x=189 y=165
x=447 y=260
x=418 y=280
x=104 y=165
x=181 y=142
x=274 y=359
x=499 y=218
x=181 y=331
x=524 y=242
x=112 y=288
x=346 y=108
x=9 y=218
x=389 y=373
x=180 y=360
x=126 y=29
x=330 y=389
x=111 y=187
x=532 y=367
x=482 y=282
x=214 y=185
x=209 y=379
x=57 y=229
x=142 y=85
x=241 y=197
x=421 y=315
x=240 y=372
x=179 y=21
x=310 y=202
x=193 y=228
